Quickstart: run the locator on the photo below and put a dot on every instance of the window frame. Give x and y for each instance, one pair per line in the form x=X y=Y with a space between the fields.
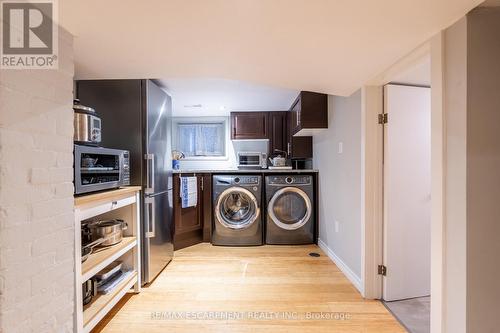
x=201 y=120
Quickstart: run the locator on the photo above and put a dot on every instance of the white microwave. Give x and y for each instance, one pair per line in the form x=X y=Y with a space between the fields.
x=252 y=160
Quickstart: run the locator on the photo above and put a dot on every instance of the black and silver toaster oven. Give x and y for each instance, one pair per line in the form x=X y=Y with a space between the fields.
x=98 y=168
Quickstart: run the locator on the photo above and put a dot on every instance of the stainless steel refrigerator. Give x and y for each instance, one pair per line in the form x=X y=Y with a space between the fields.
x=137 y=115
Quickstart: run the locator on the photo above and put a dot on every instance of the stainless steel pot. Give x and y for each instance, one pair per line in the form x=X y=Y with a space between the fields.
x=89 y=290
x=110 y=230
x=87 y=125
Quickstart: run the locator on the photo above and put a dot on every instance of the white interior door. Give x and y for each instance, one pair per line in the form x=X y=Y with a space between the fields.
x=407 y=192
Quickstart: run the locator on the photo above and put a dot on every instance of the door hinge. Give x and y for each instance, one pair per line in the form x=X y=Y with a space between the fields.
x=382 y=118
x=382 y=270
x=201 y=185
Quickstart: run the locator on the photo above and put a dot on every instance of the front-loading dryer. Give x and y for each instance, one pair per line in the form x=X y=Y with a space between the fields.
x=237 y=210
x=290 y=212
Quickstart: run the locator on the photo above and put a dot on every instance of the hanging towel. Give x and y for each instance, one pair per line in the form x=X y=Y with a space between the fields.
x=189 y=192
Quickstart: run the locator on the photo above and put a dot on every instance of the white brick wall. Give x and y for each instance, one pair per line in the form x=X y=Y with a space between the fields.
x=36 y=197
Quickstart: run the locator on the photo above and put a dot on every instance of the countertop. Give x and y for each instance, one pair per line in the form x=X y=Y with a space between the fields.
x=84 y=199
x=244 y=171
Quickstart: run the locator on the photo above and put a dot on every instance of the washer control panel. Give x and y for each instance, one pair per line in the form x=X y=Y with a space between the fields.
x=290 y=180
x=246 y=180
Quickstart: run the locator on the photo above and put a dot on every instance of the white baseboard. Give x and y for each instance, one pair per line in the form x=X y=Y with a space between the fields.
x=355 y=280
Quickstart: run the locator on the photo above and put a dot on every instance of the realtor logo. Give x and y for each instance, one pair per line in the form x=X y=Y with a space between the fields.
x=29 y=34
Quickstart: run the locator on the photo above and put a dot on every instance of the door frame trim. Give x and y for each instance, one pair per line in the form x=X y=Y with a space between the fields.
x=372 y=138
x=371 y=188
x=371 y=191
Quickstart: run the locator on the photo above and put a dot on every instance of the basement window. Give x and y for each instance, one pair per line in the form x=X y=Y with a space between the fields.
x=200 y=139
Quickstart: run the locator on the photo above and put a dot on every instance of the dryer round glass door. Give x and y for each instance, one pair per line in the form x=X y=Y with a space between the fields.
x=290 y=208
x=237 y=208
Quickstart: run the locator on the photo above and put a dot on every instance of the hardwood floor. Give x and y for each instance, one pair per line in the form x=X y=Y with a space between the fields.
x=264 y=289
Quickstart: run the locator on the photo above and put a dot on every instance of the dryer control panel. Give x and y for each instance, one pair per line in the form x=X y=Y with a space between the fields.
x=243 y=180
x=246 y=180
x=295 y=180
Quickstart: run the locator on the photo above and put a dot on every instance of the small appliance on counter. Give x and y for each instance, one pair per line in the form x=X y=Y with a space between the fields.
x=252 y=160
x=95 y=168
x=87 y=125
x=98 y=168
x=278 y=162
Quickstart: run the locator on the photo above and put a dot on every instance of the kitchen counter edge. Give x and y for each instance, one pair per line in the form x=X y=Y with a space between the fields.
x=82 y=200
x=245 y=171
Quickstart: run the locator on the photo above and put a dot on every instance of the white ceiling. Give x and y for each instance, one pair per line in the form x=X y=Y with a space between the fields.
x=331 y=46
x=217 y=97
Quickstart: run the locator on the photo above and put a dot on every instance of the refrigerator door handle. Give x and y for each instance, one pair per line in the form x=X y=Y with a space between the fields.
x=150 y=217
x=150 y=173
x=153 y=218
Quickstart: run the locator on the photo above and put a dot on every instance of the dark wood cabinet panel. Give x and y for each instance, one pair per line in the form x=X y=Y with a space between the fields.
x=207 y=207
x=294 y=122
x=188 y=222
x=309 y=111
x=298 y=147
x=249 y=125
x=302 y=147
x=277 y=131
x=193 y=225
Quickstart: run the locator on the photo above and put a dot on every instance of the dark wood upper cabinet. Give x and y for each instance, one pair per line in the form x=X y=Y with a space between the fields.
x=289 y=131
x=309 y=111
x=249 y=125
x=298 y=147
x=278 y=131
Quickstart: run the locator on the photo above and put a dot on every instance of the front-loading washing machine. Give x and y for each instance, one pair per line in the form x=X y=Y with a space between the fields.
x=290 y=212
x=237 y=210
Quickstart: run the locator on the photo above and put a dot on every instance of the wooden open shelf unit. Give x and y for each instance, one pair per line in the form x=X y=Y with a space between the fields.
x=109 y=204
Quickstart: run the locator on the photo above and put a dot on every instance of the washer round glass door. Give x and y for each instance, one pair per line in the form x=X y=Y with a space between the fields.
x=237 y=208
x=289 y=208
